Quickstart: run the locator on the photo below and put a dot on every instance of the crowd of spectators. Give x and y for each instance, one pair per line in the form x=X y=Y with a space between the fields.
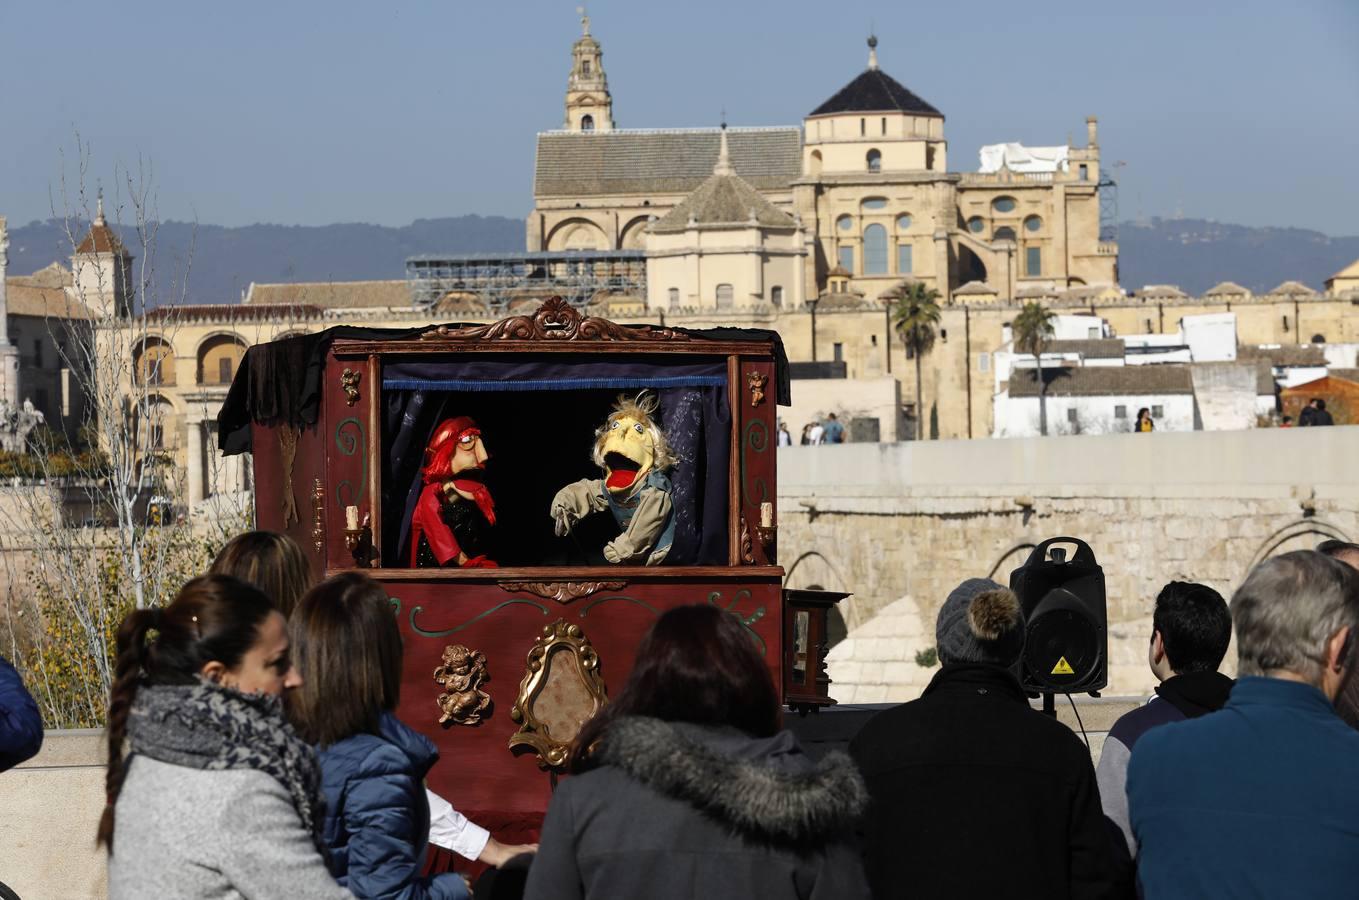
x=253 y=751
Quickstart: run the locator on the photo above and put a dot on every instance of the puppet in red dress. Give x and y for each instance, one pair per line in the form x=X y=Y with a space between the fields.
x=453 y=518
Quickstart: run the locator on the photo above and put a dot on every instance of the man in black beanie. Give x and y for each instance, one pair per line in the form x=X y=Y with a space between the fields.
x=973 y=793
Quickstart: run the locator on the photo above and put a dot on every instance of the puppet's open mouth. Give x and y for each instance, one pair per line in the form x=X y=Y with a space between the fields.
x=622 y=471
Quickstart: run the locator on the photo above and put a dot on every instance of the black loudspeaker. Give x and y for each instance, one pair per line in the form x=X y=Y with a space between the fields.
x=1066 y=643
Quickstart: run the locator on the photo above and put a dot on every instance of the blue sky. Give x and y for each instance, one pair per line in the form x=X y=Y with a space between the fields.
x=310 y=113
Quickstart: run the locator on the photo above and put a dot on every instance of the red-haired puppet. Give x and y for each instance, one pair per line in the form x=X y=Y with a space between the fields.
x=455 y=513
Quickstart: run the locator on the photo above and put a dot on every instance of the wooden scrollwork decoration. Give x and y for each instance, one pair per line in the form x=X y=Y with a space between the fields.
x=555 y=320
x=561 y=691
x=461 y=674
x=562 y=591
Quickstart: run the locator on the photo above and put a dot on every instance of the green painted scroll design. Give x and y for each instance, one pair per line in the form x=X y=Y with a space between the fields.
x=746 y=621
x=396 y=605
x=415 y=611
x=350 y=445
x=642 y=603
x=755 y=440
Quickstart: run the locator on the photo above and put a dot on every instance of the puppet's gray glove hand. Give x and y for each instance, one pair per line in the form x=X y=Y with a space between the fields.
x=563 y=520
x=619 y=550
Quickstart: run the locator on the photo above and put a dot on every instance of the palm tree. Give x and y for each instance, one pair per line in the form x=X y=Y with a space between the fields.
x=1032 y=328
x=915 y=314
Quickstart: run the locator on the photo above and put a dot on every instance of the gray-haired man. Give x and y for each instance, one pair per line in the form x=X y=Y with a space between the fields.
x=1261 y=799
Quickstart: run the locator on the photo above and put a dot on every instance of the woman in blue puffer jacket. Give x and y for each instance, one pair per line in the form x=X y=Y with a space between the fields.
x=348 y=651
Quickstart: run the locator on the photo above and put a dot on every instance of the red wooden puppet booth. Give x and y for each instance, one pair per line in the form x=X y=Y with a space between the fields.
x=496 y=459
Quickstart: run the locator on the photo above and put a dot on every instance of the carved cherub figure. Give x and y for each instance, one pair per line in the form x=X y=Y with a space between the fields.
x=462 y=674
x=633 y=455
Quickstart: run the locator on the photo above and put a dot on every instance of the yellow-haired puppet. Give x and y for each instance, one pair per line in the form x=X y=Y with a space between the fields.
x=633 y=453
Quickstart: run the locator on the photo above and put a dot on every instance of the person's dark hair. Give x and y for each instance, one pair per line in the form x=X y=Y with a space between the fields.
x=1287 y=419
x=347 y=648
x=272 y=562
x=1144 y=411
x=1321 y=404
x=1195 y=625
x=212 y=618
x=697 y=664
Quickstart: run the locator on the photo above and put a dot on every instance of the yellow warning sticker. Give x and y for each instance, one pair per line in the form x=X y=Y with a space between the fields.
x=1063 y=667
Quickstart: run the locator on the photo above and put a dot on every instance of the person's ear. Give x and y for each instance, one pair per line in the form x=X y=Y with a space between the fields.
x=1338 y=649
x=1158 y=647
x=214 y=671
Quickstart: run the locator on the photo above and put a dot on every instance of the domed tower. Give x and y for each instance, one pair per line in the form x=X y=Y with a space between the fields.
x=588 y=104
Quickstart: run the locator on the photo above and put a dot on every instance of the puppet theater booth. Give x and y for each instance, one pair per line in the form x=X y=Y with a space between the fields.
x=504 y=662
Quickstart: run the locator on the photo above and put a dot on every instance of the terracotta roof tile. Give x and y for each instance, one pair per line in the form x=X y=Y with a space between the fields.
x=333 y=294
x=1104 y=381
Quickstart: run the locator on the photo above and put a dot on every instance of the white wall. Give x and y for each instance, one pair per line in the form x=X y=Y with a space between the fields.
x=1019 y=416
x=849 y=398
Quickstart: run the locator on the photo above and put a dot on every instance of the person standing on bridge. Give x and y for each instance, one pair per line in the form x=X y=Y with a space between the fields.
x=20 y=722
x=1261 y=799
x=973 y=793
x=1191 y=628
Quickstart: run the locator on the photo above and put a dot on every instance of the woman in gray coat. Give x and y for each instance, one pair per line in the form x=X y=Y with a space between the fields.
x=685 y=786
x=216 y=795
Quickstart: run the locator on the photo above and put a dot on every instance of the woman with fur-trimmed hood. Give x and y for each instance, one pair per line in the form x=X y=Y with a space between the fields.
x=685 y=786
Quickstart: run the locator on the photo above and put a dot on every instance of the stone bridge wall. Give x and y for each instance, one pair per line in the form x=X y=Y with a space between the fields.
x=911 y=520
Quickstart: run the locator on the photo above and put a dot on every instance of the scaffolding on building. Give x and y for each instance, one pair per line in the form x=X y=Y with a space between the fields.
x=496 y=280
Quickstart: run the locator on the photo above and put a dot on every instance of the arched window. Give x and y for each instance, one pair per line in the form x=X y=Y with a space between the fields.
x=587 y=122
x=218 y=359
x=776 y=295
x=672 y=297
x=814 y=167
x=585 y=67
x=1033 y=223
x=724 y=296
x=1318 y=338
x=1005 y=233
x=875 y=250
x=155 y=363
x=1003 y=204
x=874 y=161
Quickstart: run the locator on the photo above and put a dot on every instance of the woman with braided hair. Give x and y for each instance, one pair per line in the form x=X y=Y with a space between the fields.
x=214 y=794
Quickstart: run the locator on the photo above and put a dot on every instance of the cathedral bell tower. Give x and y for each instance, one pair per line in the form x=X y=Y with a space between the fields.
x=588 y=104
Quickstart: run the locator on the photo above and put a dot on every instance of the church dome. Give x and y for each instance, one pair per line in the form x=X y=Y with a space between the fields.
x=874 y=91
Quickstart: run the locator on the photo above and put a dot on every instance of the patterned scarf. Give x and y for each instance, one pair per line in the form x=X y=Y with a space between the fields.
x=204 y=726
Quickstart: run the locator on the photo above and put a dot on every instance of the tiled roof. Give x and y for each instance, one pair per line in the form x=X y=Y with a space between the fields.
x=1104 y=381
x=101 y=239
x=233 y=312
x=1035 y=292
x=723 y=200
x=975 y=288
x=1226 y=289
x=1160 y=291
x=875 y=91
x=42 y=302
x=1291 y=289
x=1283 y=354
x=663 y=162
x=332 y=295
x=1091 y=348
x=55 y=275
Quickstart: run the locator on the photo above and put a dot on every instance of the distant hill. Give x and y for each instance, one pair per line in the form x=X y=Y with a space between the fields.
x=1192 y=253
x=226 y=260
x=1197 y=254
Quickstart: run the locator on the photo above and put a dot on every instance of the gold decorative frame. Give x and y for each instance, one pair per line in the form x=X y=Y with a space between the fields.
x=542 y=657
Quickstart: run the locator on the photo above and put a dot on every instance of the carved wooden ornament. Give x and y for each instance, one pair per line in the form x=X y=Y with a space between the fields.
x=461 y=675
x=318 y=515
x=562 y=591
x=349 y=380
x=561 y=691
x=555 y=320
x=756 y=382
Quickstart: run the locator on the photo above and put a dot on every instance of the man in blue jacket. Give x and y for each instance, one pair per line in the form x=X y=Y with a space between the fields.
x=1261 y=799
x=20 y=723
x=1191 y=628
